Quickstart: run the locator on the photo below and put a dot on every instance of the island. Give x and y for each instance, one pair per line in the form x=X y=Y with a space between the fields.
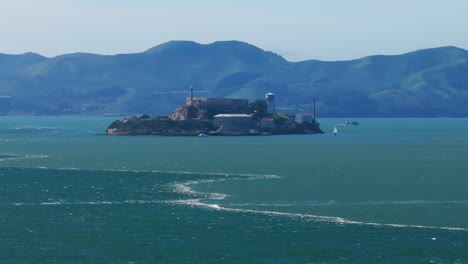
x=219 y=117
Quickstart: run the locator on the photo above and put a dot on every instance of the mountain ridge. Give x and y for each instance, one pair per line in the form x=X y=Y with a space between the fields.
x=428 y=82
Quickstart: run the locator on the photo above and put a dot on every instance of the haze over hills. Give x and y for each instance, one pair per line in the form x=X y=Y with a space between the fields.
x=424 y=83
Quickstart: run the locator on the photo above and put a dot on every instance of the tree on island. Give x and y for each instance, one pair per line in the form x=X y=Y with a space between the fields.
x=279 y=119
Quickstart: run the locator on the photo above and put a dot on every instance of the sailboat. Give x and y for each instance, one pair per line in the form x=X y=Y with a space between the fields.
x=335 y=131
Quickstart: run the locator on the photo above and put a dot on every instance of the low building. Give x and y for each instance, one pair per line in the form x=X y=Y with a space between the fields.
x=233 y=123
x=304 y=118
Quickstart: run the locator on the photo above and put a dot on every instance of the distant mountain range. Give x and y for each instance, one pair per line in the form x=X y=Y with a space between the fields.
x=424 y=83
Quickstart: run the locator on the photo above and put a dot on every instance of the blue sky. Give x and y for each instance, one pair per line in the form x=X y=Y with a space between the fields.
x=296 y=29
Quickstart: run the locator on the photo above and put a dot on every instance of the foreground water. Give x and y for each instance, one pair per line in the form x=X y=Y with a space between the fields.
x=387 y=191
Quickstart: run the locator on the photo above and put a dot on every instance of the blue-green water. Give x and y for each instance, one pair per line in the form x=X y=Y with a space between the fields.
x=387 y=191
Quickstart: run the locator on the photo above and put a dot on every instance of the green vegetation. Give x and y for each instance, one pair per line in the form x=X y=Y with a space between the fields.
x=430 y=82
x=280 y=119
x=159 y=126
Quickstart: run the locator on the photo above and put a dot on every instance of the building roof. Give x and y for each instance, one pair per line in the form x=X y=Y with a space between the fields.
x=232 y=115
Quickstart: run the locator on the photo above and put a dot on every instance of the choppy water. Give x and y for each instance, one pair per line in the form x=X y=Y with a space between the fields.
x=387 y=191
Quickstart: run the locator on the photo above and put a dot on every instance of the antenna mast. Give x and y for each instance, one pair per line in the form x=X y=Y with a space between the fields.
x=314 y=108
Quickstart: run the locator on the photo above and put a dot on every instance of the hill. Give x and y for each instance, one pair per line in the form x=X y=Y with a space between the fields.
x=431 y=82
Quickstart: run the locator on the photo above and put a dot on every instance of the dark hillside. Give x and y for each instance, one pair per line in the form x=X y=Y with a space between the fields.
x=430 y=82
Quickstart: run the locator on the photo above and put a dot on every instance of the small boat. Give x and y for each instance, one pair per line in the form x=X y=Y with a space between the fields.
x=335 y=131
x=203 y=135
x=354 y=123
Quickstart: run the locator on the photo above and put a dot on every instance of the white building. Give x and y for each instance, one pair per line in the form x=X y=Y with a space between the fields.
x=233 y=123
x=304 y=118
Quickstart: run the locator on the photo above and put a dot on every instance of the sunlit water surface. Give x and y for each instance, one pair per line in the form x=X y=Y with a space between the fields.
x=386 y=191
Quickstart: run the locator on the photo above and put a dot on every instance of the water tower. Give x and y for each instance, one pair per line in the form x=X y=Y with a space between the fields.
x=270 y=99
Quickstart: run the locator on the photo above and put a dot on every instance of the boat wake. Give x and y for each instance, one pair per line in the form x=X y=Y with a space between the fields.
x=186 y=188
x=310 y=217
x=213 y=200
x=10 y=157
x=332 y=203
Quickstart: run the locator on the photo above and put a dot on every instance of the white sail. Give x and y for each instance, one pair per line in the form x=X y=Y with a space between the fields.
x=335 y=131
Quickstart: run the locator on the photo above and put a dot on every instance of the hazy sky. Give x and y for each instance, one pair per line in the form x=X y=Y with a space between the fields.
x=296 y=29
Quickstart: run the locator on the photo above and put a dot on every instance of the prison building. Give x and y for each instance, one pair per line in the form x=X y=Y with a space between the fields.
x=220 y=105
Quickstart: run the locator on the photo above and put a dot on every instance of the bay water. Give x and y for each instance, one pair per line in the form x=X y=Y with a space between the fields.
x=385 y=191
